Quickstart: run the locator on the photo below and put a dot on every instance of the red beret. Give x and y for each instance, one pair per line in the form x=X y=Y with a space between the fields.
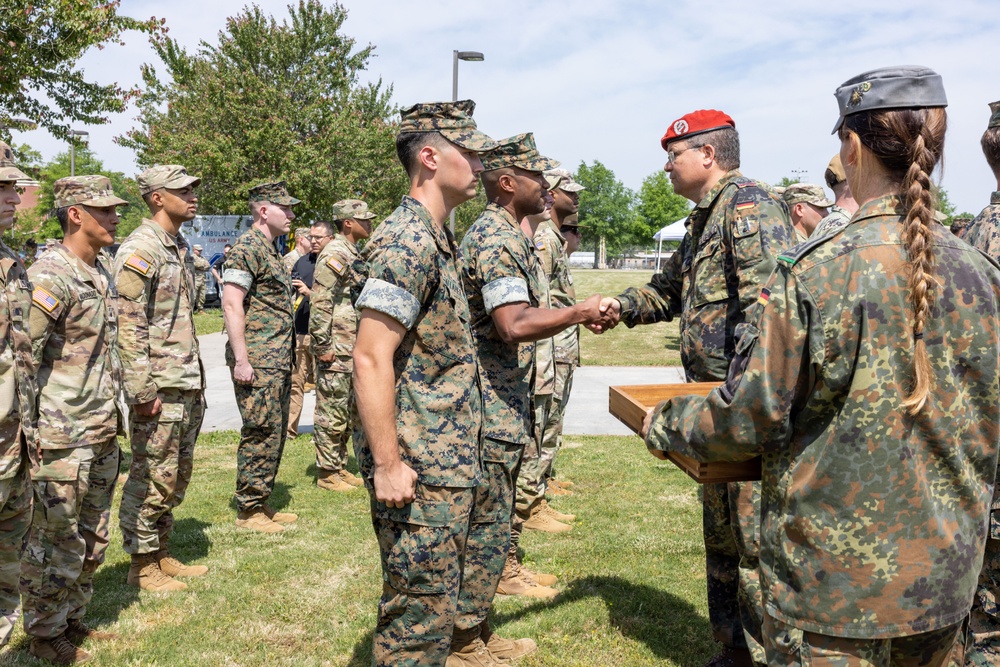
x=696 y=122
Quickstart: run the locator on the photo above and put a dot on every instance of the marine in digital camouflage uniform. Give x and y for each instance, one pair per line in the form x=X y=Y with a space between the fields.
x=333 y=325
x=164 y=378
x=417 y=441
x=74 y=332
x=874 y=519
x=201 y=269
x=17 y=401
x=257 y=299
x=983 y=643
x=735 y=231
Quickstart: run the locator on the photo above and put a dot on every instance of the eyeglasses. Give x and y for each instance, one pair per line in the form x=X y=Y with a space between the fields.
x=570 y=230
x=672 y=155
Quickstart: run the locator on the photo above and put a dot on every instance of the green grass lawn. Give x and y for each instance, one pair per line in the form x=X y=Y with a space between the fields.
x=208 y=321
x=649 y=345
x=631 y=573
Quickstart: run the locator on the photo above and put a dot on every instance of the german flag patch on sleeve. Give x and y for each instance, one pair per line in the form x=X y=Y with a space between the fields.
x=44 y=299
x=138 y=264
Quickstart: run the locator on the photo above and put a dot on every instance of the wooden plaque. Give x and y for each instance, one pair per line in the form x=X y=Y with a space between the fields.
x=630 y=403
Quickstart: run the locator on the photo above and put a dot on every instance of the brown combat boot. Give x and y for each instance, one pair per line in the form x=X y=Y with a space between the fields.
x=145 y=573
x=469 y=650
x=257 y=519
x=544 y=522
x=554 y=490
x=331 y=481
x=57 y=650
x=77 y=631
x=559 y=483
x=172 y=567
x=350 y=478
x=283 y=518
x=545 y=508
x=514 y=582
x=540 y=578
x=506 y=650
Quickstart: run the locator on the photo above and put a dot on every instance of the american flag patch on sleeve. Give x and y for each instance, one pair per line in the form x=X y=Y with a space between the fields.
x=138 y=264
x=335 y=265
x=44 y=299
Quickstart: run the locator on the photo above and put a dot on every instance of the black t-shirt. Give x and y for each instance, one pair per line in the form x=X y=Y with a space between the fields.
x=303 y=270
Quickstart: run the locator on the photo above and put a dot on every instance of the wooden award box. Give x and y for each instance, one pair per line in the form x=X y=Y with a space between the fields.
x=630 y=403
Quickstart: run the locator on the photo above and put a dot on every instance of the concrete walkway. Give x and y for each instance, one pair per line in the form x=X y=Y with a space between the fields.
x=587 y=413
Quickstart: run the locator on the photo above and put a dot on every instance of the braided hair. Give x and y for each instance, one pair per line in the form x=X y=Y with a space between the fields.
x=909 y=144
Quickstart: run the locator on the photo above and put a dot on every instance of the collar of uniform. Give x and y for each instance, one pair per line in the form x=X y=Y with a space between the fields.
x=995 y=197
x=82 y=271
x=165 y=238
x=887 y=205
x=351 y=246
x=709 y=199
x=258 y=237
x=442 y=235
x=551 y=224
x=504 y=214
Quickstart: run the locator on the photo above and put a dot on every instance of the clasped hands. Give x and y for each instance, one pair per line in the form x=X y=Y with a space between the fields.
x=603 y=313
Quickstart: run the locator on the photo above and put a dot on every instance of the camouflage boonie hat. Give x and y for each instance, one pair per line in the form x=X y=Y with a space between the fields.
x=806 y=192
x=517 y=151
x=169 y=176
x=9 y=173
x=452 y=120
x=906 y=87
x=994 y=115
x=346 y=209
x=86 y=191
x=276 y=193
x=562 y=179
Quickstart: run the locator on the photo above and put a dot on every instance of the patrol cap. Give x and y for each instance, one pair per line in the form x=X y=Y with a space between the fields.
x=806 y=192
x=346 y=209
x=197 y=247
x=452 y=120
x=276 y=193
x=904 y=87
x=994 y=115
x=170 y=176
x=9 y=173
x=86 y=191
x=695 y=123
x=562 y=179
x=835 y=172
x=517 y=151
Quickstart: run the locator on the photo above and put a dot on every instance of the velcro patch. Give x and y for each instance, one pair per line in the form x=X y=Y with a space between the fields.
x=745 y=205
x=44 y=299
x=765 y=296
x=88 y=294
x=138 y=264
x=335 y=264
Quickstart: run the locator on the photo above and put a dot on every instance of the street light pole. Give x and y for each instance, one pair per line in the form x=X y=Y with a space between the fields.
x=469 y=56
x=74 y=134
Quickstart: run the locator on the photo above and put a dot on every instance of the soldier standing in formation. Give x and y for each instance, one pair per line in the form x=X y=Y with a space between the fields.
x=164 y=378
x=17 y=401
x=73 y=323
x=201 y=269
x=257 y=303
x=879 y=448
x=333 y=325
x=807 y=206
x=844 y=205
x=302 y=281
x=735 y=232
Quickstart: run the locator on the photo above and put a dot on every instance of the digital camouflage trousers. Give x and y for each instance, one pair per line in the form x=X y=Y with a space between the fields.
x=264 y=408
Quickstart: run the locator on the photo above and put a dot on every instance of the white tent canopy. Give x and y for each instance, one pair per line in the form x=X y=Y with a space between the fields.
x=675 y=231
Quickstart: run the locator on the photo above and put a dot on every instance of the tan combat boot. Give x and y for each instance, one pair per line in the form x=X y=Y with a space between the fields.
x=257 y=519
x=57 y=650
x=350 y=478
x=506 y=650
x=469 y=650
x=513 y=582
x=172 y=567
x=145 y=573
x=540 y=578
x=331 y=481
x=559 y=483
x=544 y=522
x=554 y=490
x=77 y=631
x=545 y=508
x=283 y=518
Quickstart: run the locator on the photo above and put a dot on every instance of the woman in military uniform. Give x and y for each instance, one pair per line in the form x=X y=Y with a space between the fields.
x=867 y=377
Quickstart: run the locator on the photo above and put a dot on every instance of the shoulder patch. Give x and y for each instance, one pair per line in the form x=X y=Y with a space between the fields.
x=138 y=264
x=539 y=245
x=44 y=299
x=336 y=265
x=743 y=182
x=795 y=255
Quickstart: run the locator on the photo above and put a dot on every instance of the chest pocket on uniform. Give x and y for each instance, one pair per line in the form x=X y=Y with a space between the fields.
x=747 y=240
x=708 y=272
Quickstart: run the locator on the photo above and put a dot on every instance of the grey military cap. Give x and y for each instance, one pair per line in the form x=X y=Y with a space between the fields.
x=904 y=87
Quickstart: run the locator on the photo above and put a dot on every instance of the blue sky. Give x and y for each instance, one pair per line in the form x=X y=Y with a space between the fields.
x=603 y=80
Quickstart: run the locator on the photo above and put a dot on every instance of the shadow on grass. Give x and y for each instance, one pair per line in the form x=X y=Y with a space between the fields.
x=281 y=496
x=668 y=625
x=362 y=655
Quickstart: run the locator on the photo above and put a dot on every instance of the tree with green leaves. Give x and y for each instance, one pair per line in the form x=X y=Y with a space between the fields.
x=42 y=40
x=606 y=208
x=273 y=101
x=658 y=206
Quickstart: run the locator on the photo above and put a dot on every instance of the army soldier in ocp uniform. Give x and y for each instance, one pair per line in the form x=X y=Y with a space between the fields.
x=735 y=232
x=257 y=300
x=333 y=327
x=201 y=269
x=164 y=380
x=17 y=400
x=74 y=323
